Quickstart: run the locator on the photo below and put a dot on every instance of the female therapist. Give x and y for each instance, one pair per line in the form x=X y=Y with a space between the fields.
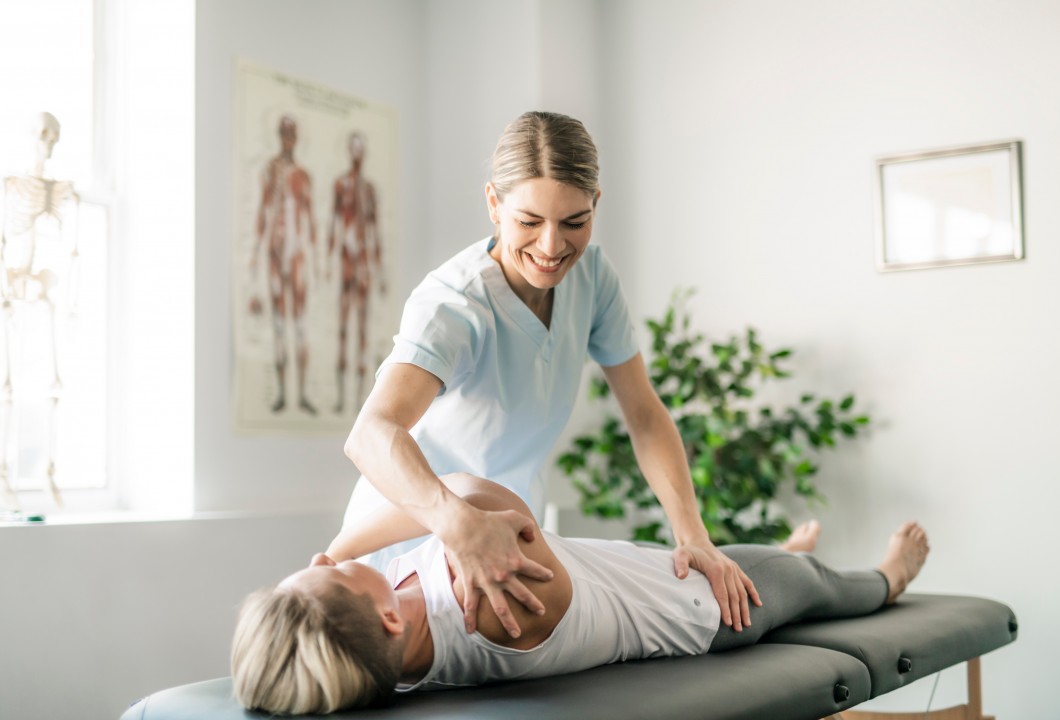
x=485 y=369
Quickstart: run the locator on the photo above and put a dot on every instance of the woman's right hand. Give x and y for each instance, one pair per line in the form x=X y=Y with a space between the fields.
x=483 y=548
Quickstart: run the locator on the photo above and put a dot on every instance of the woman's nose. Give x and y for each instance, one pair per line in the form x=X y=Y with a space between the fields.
x=321 y=559
x=550 y=241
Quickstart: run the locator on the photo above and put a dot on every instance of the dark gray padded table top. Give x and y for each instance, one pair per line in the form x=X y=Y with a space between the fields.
x=916 y=637
x=780 y=682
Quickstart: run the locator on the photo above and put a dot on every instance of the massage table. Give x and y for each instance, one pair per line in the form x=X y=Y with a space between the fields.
x=805 y=671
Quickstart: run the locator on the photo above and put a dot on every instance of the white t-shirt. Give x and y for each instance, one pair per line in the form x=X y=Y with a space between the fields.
x=509 y=383
x=626 y=604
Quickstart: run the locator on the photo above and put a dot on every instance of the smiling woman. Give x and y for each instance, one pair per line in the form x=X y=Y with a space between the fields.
x=485 y=369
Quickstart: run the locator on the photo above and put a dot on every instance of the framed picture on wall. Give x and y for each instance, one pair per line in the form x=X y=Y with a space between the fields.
x=955 y=206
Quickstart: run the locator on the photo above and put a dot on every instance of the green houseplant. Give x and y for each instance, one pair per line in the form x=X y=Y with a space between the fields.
x=740 y=453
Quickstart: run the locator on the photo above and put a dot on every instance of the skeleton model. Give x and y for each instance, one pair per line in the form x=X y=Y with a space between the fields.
x=32 y=261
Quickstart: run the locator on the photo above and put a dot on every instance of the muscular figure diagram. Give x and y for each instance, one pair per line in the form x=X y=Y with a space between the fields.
x=355 y=227
x=285 y=226
x=38 y=265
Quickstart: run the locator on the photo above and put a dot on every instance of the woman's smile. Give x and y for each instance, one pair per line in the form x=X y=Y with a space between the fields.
x=543 y=227
x=545 y=265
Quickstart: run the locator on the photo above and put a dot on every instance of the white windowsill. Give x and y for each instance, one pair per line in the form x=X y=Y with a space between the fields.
x=116 y=517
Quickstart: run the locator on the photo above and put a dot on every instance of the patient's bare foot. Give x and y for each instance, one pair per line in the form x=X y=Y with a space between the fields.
x=803 y=538
x=904 y=558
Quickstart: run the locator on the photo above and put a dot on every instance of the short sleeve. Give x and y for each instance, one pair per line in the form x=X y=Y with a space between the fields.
x=441 y=331
x=611 y=339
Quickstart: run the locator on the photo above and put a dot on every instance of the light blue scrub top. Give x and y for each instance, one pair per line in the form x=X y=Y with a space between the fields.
x=509 y=383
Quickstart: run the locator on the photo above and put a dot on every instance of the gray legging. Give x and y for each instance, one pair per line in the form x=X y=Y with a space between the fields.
x=795 y=586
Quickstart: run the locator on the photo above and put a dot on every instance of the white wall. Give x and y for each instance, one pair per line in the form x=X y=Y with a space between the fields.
x=746 y=134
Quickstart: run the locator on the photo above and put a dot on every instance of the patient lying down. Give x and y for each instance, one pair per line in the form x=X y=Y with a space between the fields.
x=340 y=634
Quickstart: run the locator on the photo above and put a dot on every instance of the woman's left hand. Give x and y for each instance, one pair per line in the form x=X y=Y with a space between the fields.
x=731 y=585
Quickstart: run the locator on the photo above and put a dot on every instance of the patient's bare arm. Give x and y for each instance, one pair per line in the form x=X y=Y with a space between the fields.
x=388 y=525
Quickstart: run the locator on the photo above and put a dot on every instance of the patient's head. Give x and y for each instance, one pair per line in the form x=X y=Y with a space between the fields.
x=326 y=638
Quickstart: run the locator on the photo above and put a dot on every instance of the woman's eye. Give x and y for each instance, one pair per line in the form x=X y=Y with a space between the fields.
x=568 y=225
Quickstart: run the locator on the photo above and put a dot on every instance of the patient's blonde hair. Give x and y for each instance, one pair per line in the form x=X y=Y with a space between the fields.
x=296 y=652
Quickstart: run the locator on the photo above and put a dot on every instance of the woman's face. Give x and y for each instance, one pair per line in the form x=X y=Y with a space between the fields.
x=359 y=578
x=544 y=227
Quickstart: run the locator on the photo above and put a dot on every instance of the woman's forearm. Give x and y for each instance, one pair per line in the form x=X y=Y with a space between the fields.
x=382 y=448
x=390 y=459
x=418 y=500
x=658 y=448
x=661 y=457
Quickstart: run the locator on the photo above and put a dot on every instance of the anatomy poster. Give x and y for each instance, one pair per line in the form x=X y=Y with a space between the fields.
x=315 y=216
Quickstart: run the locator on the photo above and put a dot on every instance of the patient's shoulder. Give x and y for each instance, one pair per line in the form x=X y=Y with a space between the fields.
x=554 y=594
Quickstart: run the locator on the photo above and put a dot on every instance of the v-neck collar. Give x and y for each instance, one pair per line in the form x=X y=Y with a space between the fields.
x=519 y=311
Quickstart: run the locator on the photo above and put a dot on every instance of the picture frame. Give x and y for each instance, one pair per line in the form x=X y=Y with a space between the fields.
x=953 y=206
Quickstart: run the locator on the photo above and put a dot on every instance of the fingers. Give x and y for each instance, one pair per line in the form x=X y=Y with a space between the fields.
x=471 y=596
x=533 y=570
x=738 y=600
x=491 y=563
x=734 y=592
x=681 y=563
x=495 y=594
x=745 y=593
x=503 y=612
x=523 y=525
x=721 y=592
x=752 y=591
x=520 y=592
x=735 y=600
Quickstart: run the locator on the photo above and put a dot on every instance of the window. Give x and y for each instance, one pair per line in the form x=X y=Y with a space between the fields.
x=53 y=405
x=118 y=75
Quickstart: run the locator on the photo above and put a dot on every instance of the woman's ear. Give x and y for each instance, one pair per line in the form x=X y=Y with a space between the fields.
x=392 y=622
x=596 y=198
x=492 y=202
